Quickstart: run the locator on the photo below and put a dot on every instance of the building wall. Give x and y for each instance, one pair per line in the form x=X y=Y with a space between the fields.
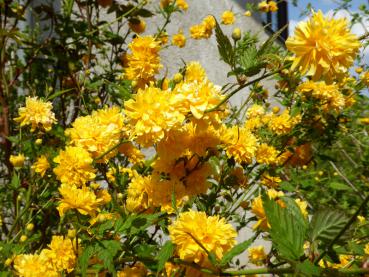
x=205 y=51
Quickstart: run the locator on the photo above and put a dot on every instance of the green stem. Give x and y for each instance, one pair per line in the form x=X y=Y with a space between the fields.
x=226 y=98
x=110 y=149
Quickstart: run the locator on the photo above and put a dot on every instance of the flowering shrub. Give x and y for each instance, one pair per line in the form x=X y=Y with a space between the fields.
x=108 y=167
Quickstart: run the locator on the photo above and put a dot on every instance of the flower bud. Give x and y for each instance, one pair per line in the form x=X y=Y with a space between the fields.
x=247 y=13
x=23 y=238
x=17 y=161
x=8 y=262
x=38 y=141
x=120 y=196
x=236 y=34
x=276 y=109
x=30 y=226
x=71 y=233
x=178 y=77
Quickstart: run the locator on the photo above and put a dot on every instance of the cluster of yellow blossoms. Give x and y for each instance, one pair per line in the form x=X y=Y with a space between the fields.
x=58 y=258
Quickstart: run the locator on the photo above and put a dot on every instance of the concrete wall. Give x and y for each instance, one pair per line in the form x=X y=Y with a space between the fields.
x=205 y=51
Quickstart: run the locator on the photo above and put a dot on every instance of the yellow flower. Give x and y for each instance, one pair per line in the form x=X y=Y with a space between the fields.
x=150 y=114
x=138 y=26
x=36 y=113
x=133 y=154
x=143 y=63
x=240 y=144
x=199 y=138
x=41 y=165
x=197 y=97
x=263 y=6
x=344 y=261
x=182 y=4
x=138 y=270
x=255 y=111
x=361 y=219
x=146 y=192
x=74 y=166
x=282 y=124
x=83 y=200
x=138 y=192
x=61 y=253
x=303 y=207
x=273 y=7
x=192 y=228
x=365 y=78
x=195 y=72
x=329 y=95
x=18 y=160
x=366 y=249
x=228 y=17
x=179 y=39
x=107 y=132
x=258 y=209
x=247 y=13
x=257 y=255
x=323 y=47
x=364 y=120
x=33 y=265
x=266 y=154
x=205 y=29
x=270 y=181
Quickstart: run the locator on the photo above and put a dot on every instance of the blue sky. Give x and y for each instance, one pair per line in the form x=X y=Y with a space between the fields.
x=324 y=5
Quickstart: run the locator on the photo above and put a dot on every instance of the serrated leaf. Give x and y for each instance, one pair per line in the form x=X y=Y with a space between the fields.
x=326 y=224
x=286 y=230
x=165 y=254
x=307 y=269
x=15 y=182
x=235 y=251
x=87 y=253
x=106 y=251
x=224 y=45
x=295 y=210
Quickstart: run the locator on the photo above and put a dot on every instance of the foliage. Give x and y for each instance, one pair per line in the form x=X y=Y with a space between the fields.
x=108 y=166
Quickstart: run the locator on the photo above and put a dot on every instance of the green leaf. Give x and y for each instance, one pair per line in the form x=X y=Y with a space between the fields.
x=287 y=230
x=87 y=253
x=215 y=164
x=307 y=269
x=326 y=224
x=15 y=182
x=295 y=210
x=267 y=45
x=224 y=45
x=213 y=258
x=235 y=251
x=106 y=251
x=339 y=186
x=68 y=7
x=165 y=254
